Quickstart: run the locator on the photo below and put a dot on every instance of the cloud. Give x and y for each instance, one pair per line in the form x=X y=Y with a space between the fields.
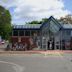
x=28 y=10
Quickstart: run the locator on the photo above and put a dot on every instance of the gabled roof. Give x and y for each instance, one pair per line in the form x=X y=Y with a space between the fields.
x=51 y=18
x=38 y=26
x=55 y=21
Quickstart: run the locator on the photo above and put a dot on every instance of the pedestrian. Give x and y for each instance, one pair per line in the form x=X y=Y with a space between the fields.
x=50 y=45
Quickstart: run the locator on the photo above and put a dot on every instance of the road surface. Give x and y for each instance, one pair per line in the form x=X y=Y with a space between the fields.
x=36 y=63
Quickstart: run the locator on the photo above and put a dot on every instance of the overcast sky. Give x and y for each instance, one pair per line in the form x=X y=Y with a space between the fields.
x=27 y=10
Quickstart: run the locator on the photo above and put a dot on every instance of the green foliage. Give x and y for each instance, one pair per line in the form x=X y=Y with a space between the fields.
x=65 y=20
x=38 y=22
x=5 y=23
x=44 y=19
x=33 y=22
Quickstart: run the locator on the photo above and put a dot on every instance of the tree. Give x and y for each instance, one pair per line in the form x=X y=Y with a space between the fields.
x=38 y=22
x=33 y=22
x=5 y=23
x=66 y=20
x=44 y=19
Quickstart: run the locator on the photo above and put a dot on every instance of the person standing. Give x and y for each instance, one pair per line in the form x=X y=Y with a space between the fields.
x=50 y=45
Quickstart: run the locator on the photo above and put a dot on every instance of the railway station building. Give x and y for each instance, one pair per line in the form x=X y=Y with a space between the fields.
x=50 y=35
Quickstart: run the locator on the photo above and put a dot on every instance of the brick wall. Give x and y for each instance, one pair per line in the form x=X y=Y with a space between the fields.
x=23 y=40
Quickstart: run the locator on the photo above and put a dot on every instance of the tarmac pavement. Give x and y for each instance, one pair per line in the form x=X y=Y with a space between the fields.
x=35 y=63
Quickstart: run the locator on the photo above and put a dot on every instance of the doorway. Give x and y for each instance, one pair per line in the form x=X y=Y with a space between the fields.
x=50 y=44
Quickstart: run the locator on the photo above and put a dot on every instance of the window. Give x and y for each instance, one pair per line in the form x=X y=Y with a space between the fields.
x=33 y=32
x=27 y=33
x=53 y=27
x=71 y=33
x=68 y=32
x=15 y=33
x=21 y=33
x=44 y=41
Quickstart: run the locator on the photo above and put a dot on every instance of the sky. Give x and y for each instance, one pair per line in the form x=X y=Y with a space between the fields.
x=23 y=11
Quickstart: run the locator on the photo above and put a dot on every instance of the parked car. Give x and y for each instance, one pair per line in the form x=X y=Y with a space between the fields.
x=2 y=42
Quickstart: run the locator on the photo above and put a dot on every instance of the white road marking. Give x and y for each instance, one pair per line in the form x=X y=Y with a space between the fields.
x=54 y=54
x=16 y=67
